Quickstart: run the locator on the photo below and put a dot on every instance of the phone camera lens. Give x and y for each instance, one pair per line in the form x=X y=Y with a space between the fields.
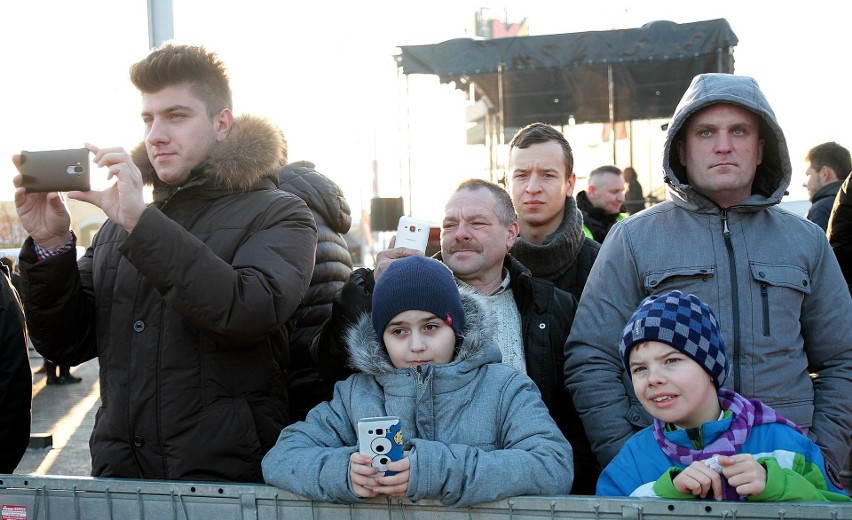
x=411 y=228
x=380 y=431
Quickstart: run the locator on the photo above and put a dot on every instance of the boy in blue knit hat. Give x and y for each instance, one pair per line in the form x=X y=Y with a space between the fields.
x=706 y=441
x=475 y=430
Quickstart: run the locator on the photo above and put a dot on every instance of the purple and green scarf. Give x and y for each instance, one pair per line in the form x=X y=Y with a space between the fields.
x=748 y=413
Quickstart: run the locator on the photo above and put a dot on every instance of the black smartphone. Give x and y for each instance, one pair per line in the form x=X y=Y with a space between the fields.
x=56 y=170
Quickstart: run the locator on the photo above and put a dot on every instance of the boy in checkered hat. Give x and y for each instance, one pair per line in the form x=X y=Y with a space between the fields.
x=706 y=441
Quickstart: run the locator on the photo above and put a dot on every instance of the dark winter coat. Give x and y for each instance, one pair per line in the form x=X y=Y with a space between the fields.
x=596 y=222
x=840 y=230
x=186 y=315
x=822 y=202
x=332 y=268
x=16 y=380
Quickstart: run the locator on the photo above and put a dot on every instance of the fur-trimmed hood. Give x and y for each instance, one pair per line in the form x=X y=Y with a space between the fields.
x=368 y=355
x=253 y=150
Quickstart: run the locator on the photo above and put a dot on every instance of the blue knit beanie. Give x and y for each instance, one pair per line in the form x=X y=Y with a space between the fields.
x=684 y=322
x=417 y=283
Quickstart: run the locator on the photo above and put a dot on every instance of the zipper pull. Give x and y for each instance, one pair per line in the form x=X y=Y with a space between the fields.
x=725 y=231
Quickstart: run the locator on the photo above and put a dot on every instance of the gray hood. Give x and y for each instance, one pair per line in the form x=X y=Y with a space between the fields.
x=368 y=355
x=773 y=174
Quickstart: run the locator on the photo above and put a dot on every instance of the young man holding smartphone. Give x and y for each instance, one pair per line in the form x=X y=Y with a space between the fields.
x=184 y=300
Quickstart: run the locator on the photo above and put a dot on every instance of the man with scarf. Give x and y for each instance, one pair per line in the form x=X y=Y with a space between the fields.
x=551 y=244
x=184 y=300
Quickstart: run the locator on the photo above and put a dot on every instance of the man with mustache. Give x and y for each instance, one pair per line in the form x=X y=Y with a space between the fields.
x=533 y=316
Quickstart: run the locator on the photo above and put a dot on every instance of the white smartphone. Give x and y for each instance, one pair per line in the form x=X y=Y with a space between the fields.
x=381 y=439
x=412 y=233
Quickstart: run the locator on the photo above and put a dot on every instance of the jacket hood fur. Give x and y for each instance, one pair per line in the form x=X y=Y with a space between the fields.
x=368 y=355
x=253 y=150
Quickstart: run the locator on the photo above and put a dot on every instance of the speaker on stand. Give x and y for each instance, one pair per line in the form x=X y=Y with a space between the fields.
x=385 y=213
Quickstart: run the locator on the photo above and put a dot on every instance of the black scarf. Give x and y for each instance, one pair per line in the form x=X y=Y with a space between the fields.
x=558 y=251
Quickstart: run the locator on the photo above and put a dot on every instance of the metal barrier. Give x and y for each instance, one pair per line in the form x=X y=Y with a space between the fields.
x=76 y=498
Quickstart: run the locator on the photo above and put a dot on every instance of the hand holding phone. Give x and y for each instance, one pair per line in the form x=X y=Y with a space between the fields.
x=381 y=439
x=55 y=170
x=412 y=233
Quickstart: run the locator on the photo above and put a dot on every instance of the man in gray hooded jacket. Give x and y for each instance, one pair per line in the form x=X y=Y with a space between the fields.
x=770 y=275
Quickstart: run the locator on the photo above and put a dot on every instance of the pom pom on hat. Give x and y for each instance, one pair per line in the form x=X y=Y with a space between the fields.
x=417 y=283
x=684 y=322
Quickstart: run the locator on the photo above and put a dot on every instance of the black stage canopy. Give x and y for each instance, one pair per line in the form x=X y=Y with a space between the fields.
x=597 y=76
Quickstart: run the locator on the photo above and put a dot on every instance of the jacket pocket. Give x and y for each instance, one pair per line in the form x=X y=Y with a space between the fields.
x=637 y=416
x=687 y=279
x=221 y=443
x=772 y=280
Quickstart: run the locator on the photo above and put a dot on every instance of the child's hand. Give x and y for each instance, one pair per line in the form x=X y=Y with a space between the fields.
x=744 y=473
x=365 y=482
x=699 y=479
x=395 y=485
x=362 y=475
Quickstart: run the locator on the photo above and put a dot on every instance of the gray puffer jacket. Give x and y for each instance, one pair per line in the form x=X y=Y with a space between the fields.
x=478 y=429
x=769 y=275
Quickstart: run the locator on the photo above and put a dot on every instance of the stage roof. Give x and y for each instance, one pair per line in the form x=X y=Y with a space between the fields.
x=552 y=78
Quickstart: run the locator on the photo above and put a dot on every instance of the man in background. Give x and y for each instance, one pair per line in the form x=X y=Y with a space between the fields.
x=829 y=165
x=602 y=202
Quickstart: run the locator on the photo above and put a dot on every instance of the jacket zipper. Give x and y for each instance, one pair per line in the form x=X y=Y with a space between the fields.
x=735 y=305
x=764 y=296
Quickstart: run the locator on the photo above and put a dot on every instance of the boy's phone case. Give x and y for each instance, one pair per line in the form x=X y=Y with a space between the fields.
x=55 y=170
x=381 y=439
x=412 y=233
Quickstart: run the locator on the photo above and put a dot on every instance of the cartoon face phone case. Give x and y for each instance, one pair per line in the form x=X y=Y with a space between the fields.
x=381 y=439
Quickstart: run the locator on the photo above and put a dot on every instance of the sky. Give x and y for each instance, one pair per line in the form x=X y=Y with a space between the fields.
x=325 y=74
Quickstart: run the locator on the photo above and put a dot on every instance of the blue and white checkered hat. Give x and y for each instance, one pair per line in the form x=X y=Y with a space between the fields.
x=684 y=322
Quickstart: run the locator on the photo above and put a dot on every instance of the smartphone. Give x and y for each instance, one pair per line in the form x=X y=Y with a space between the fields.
x=412 y=233
x=381 y=439
x=56 y=170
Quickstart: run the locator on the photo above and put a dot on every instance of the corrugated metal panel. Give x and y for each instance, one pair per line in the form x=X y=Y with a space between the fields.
x=69 y=498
